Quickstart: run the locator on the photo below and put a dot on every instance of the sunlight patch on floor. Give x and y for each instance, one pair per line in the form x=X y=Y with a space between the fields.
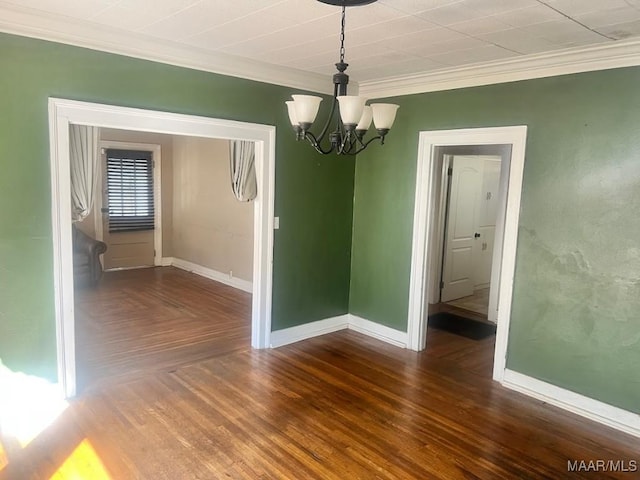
x=83 y=463
x=28 y=405
x=3 y=458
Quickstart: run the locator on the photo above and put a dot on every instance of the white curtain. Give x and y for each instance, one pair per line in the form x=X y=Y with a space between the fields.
x=83 y=151
x=243 y=169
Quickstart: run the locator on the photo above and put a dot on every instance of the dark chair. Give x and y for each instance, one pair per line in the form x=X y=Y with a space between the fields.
x=87 y=269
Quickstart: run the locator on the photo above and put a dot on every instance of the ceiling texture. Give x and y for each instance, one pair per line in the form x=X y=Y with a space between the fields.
x=389 y=39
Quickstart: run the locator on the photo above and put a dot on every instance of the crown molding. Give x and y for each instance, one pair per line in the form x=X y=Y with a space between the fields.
x=29 y=23
x=563 y=62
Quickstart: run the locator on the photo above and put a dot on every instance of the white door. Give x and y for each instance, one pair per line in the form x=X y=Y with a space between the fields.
x=128 y=211
x=461 y=241
x=487 y=214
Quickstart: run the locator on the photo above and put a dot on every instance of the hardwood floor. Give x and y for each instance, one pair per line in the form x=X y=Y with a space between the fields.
x=341 y=406
x=151 y=319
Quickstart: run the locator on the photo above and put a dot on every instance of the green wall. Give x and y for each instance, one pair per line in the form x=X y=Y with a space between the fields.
x=575 y=318
x=314 y=194
x=576 y=305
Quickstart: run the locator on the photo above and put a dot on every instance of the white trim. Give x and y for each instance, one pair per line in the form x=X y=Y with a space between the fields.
x=121 y=269
x=562 y=62
x=424 y=217
x=62 y=113
x=156 y=151
x=62 y=252
x=98 y=226
x=234 y=282
x=333 y=324
x=157 y=194
x=376 y=330
x=27 y=22
x=308 y=330
x=595 y=410
x=437 y=237
x=166 y=261
x=496 y=260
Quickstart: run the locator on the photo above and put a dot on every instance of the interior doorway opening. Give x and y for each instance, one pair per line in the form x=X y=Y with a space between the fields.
x=175 y=189
x=426 y=265
x=62 y=114
x=473 y=184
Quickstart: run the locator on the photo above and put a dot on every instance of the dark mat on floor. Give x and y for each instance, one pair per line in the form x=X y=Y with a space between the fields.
x=461 y=326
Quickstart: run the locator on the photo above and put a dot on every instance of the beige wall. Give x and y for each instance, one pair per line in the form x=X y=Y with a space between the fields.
x=210 y=227
x=166 y=187
x=202 y=222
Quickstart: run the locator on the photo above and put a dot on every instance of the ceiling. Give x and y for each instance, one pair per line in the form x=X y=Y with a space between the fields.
x=389 y=38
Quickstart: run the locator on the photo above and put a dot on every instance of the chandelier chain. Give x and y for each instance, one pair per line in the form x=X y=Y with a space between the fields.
x=342 y=34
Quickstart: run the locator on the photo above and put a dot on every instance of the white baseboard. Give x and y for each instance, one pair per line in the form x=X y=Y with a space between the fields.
x=308 y=330
x=376 y=330
x=595 y=410
x=166 y=261
x=212 y=274
x=333 y=324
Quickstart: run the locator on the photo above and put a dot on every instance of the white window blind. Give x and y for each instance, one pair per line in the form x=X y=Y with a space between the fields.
x=130 y=190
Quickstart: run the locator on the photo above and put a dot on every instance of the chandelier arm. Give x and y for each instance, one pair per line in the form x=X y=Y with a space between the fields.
x=349 y=141
x=354 y=141
x=361 y=143
x=366 y=144
x=315 y=143
x=343 y=144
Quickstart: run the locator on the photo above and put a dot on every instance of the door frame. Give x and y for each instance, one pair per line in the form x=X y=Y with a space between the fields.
x=426 y=213
x=156 y=152
x=63 y=113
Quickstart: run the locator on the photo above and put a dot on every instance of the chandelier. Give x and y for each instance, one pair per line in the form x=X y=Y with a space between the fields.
x=354 y=118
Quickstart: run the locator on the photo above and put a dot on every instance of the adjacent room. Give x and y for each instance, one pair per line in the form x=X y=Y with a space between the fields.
x=321 y=239
x=160 y=203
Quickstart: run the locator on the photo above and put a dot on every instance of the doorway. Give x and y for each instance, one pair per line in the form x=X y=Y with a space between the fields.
x=425 y=266
x=63 y=113
x=474 y=183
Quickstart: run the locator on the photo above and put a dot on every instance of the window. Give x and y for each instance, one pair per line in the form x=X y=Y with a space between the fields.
x=130 y=190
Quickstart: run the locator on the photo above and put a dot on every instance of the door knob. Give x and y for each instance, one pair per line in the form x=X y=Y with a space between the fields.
x=477 y=235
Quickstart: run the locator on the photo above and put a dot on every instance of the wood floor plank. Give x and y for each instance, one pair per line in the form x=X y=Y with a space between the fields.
x=173 y=391
x=156 y=319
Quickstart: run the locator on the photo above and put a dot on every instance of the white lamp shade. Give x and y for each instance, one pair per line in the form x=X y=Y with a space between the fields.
x=306 y=107
x=292 y=113
x=384 y=114
x=351 y=107
x=365 y=119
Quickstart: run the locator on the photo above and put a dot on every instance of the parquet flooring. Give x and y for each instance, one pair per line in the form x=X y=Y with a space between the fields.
x=151 y=319
x=337 y=407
